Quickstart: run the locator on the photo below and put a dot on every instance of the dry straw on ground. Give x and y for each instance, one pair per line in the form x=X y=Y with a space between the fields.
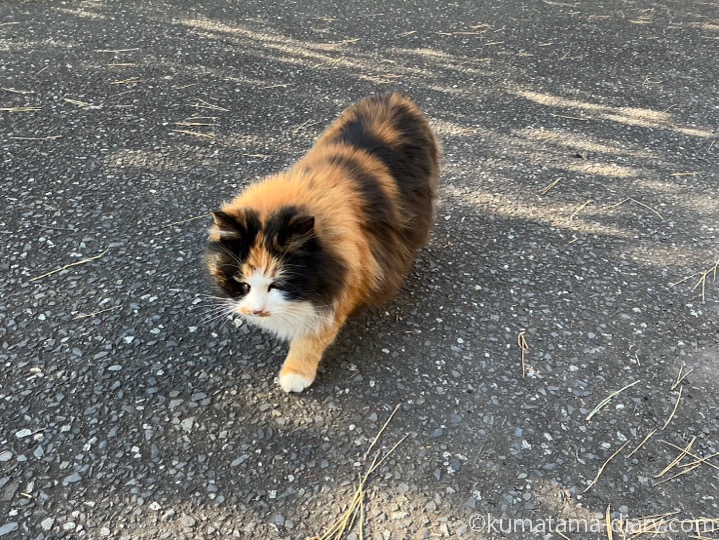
x=681 y=376
x=194 y=218
x=674 y=410
x=19 y=109
x=202 y=104
x=77 y=263
x=703 y=279
x=197 y=121
x=702 y=282
x=79 y=103
x=546 y=189
x=94 y=313
x=684 y=452
x=601 y=469
x=580 y=208
x=131 y=80
x=45 y=138
x=607 y=399
x=208 y=136
x=117 y=51
x=629 y=199
x=16 y=91
x=522 y=342
x=644 y=441
x=354 y=515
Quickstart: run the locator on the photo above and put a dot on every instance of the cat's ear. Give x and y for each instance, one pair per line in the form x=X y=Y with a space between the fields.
x=224 y=228
x=298 y=229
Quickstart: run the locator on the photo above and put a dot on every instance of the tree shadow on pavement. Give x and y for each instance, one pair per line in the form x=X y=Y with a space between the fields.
x=576 y=196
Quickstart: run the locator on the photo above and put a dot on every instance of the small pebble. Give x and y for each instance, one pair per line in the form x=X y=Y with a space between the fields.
x=240 y=460
x=74 y=477
x=167 y=516
x=8 y=528
x=187 y=423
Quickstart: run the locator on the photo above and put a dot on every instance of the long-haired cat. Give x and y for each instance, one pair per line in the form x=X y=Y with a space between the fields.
x=300 y=251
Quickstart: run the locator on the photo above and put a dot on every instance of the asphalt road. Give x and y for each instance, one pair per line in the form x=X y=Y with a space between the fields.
x=578 y=210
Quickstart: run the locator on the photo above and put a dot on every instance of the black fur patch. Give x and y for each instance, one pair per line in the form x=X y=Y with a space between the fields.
x=288 y=226
x=410 y=161
x=309 y=270
x=379 y=219
x=227 y=254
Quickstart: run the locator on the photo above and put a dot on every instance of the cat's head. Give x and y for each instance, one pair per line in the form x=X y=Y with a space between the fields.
x=273 y=268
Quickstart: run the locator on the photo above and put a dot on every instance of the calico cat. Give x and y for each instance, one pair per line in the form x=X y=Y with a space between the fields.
x=300 y=251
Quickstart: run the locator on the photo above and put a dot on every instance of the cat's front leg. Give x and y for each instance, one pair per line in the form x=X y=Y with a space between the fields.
x=300 y=367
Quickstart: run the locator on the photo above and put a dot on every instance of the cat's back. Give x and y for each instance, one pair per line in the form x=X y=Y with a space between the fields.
x=383 y=156
x=392 y=129
x=389 y=152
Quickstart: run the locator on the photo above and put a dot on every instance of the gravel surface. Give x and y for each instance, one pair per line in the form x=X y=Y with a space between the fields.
x=578 y=210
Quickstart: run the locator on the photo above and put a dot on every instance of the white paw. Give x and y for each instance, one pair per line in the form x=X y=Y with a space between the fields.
x=292 y=382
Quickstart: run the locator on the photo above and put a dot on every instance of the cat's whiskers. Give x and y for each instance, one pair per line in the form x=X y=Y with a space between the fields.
x=200 y=307
x=205 y=298
x=205 y=295
x=296 y=323
x=213 y=308
x=222 y=316
x=303 y=308
x=299 y=311
x=217 y=312
x=296 y=316
x=204 y=310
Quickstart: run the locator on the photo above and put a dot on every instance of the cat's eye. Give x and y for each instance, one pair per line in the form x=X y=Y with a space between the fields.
x=244 y=287
x=273 y=285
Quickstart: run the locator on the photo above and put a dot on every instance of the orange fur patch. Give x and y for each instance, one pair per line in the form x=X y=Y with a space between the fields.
x=260 y=260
